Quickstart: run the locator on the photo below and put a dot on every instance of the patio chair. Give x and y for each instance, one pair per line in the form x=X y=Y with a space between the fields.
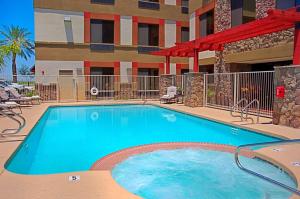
x=170 y=96
x=4 y=97
x=17 y=96
x=10 y=106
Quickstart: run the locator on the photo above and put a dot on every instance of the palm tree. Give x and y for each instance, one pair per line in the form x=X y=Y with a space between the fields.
x=16 y=40
x=3 y=54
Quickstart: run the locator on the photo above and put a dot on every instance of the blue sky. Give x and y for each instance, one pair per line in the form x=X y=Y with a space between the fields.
x=17 y=13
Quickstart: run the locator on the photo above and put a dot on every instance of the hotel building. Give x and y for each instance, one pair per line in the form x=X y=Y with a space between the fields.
x=114 y=37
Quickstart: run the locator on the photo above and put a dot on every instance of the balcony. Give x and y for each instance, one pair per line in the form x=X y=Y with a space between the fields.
x=152 y=5
x=147 y=49
x=106 y=47
x=109 y=2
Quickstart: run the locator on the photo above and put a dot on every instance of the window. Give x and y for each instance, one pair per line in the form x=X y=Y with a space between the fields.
x=102 y=31
x=103 y=1
x=185 y=6
x=242 y=11
x=185 y=71
x=149 y=4
x=249 y=10
x=185 y=34
x=285 y=4
x=207 y=23
x=148 y=34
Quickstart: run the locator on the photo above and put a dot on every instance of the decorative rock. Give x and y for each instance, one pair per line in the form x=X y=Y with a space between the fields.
x=194 y=92
x=287 y=110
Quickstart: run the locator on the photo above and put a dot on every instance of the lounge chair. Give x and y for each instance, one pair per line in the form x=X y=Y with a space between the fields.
x=170 y=96
x=10 y=106
x=4 y=97
x=17 y=96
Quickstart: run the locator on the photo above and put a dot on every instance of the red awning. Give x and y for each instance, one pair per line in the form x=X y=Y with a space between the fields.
x=277 y=20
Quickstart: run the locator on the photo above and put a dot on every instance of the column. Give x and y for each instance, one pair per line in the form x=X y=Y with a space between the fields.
x=194 y=90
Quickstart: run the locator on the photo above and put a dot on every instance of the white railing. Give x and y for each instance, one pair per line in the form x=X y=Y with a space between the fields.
x=224 y=90
x=78 y=88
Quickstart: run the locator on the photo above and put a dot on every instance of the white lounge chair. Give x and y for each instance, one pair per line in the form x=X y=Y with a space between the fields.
x=17 y=96
x=170 y=96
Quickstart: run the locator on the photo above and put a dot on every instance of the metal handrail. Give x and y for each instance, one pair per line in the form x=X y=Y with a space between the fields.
x=246 y=110
x=11 y=114
x=236 y=105
x=238 y=163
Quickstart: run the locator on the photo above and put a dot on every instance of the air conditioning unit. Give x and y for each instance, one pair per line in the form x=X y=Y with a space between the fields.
x=67 y=19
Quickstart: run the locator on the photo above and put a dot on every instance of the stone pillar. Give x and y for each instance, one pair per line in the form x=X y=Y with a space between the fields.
x=262 y=7
x=166 y=81
x=287 y=109
x=194 y=90
x=222 y=15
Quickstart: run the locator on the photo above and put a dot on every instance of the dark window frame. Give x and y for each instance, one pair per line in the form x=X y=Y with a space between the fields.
x=149 y=4
x=184 y=8
x=207 y=18
x=152 y=42
x=239 y=10
x=186 y=29
x=107 y=36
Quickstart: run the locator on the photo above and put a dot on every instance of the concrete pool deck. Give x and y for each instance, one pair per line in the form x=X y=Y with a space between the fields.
x=100 y=184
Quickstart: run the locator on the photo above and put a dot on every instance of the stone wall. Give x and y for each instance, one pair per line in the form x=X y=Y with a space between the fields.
x=194 y=90
x=287 y=109
x=166 y=81
x=222 y=15
x=223 y=22
x=262 y=7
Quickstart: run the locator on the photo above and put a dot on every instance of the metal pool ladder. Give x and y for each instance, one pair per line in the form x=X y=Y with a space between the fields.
x=275 y=182
x=236 y=107
x=245 y=110
x=15 y=117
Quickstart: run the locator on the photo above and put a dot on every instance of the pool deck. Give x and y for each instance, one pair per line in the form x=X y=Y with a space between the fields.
x=99 y=183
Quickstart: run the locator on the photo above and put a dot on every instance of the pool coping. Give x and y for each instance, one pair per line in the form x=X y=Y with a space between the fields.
x=29 y=128
x=109 y=161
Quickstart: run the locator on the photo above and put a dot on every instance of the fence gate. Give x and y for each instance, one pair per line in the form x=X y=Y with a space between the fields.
x=224 y=90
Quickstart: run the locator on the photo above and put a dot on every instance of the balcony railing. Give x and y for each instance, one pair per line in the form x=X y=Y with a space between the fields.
x=110 y=2
x=147 y=49
x=102 y=46
x=149 y=5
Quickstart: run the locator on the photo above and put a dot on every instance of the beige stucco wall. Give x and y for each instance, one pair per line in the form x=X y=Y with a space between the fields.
x=51 y=69
x=50 y=26
x=170 y=33
x=125 y=71
x=126 y=30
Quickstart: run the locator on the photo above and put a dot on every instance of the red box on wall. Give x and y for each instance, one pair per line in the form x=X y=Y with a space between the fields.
x=280 y=92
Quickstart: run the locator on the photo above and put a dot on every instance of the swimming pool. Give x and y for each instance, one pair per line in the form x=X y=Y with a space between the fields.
x=198 y=173
x=68 y=139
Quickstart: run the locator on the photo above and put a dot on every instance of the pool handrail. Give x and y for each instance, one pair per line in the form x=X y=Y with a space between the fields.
x=233 y=108
x=11 y=114
x=238 y=163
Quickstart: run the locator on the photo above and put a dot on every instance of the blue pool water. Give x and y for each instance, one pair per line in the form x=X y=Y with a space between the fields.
x=196 y=173
x=70 y=139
